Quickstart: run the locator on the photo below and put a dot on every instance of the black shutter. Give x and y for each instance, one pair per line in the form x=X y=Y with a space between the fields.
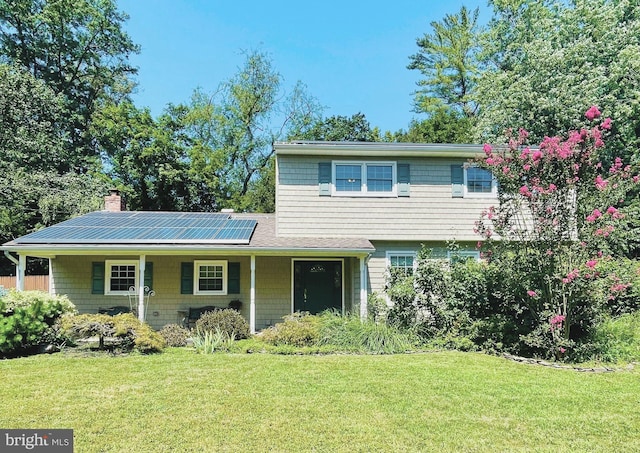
x=233 y=278
x=97 y=277
x=186 y=278
x=324 y=178
x=404 y=180
x=457 y=181
x=148 y=275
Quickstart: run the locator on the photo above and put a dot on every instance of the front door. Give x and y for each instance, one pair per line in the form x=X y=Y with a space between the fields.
x=317 y=286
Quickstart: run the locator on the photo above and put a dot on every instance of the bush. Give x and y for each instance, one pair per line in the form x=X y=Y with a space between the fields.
x=352 y=334
x=175 y=335
x=297 y=329
x=618 y=339
x=125 y=329
x=28 y=319
x=227 y=321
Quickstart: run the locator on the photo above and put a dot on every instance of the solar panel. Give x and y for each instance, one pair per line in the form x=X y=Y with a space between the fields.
x=146 y=227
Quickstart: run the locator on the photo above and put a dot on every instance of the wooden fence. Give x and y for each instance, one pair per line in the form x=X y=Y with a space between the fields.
x=40 y=282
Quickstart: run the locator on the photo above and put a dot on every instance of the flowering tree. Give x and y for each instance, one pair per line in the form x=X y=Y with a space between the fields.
x=554 y=230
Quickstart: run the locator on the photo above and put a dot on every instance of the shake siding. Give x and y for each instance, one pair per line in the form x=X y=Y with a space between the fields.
x=429 y=214
x=378 y=260
x=72 y=276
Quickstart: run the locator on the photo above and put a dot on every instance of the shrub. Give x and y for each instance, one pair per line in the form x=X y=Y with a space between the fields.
x=352 y=334
x=208 y=342
x=28 y=318
x=227 y=321
x=128 y=332
x=618 y=339
x=175 y=335
x=297 y=329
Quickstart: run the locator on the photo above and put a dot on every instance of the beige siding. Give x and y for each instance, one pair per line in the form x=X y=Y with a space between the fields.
x=378 y=261
x=72 y=276
x=429 y=214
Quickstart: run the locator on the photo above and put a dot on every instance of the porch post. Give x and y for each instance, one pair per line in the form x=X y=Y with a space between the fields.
x=141 y=268
x=252 y=297
x=363 y=288
x=22 y=265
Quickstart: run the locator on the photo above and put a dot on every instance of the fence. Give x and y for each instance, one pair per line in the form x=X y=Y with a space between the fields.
x=40 y=282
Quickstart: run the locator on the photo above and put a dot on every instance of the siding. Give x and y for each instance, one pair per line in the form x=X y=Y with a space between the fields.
x=72 y=276
x=429 y=214
x=378 y=260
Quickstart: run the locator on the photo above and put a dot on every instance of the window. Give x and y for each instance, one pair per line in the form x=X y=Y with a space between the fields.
x=364 y=178
x=401 y=262
x=463 y=255
x=210 y=277
x=479 y=182
x=120 y=276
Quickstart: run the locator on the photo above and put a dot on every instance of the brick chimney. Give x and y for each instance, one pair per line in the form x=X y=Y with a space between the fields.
x=114 y=201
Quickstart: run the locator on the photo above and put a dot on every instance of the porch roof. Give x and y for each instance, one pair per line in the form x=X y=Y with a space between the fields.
x=125 y=239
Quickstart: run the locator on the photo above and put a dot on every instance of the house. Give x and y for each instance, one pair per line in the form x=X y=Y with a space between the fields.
x=345 y=212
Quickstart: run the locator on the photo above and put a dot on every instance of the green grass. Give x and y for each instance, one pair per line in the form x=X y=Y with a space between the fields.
x=181 y=401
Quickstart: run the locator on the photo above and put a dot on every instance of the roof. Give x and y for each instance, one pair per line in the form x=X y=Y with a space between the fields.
x=134 y=232
x=377 y=149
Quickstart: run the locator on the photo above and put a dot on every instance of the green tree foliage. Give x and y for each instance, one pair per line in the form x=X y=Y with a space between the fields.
x=340 y=128
x=36 y=186
x=442 y=126
x=148 y=157
x=548 y=61
x=233 y=133
x=78 y=48
x=449 y=61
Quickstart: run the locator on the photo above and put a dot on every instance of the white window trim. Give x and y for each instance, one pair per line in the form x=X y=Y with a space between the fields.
x=465 y=253
x=363 y=188
x=391 y=253
x=107 y=276
x=196 y=276
x=467 y=194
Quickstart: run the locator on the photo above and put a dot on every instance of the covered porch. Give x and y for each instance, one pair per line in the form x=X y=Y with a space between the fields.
x=270 y=276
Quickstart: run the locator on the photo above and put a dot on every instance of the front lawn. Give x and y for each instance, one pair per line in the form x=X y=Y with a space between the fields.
x=180 y=401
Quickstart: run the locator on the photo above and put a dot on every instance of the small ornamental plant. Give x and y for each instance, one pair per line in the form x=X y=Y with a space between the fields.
x=561 y=215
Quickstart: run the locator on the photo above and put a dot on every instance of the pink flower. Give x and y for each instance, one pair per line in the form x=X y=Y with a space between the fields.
x=594 y=216
x=557 y=319
x=487 y=149
x=505 y=170
x=552 y=187
x=593 y=113
x=490 y=161
x=531 y=293
x=591 y=264
x=527 y=167
x=606 y=124
x=562 y=350
x=537 y=155
x=524 y=191
x=601 y=183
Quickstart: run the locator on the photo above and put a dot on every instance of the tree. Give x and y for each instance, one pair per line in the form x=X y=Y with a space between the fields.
x=35 y=188
x=233 y=131
x=78 y=48
x=339 y=128
x=449 y=61
x=148 y=158
x=558 y=223
x=547 y=61
x=443 y=126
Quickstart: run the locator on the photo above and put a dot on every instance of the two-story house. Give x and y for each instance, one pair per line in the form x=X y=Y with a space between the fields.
x=345 y=212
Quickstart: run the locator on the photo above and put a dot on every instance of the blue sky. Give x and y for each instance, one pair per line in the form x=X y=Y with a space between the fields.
x=352 y=55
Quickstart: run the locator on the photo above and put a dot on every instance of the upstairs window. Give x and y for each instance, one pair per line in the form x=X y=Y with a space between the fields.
x=479 y=182
x=364 y=178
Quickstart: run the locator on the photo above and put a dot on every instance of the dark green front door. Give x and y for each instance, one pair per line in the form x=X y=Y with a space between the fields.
x=317 y=286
